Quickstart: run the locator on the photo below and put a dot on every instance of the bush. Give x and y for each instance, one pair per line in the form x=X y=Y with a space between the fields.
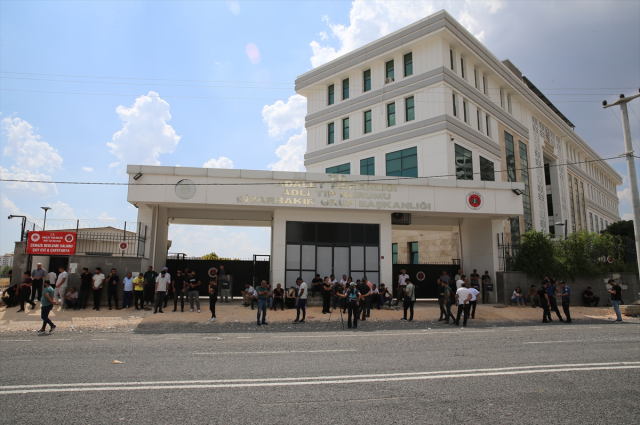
x=536 y=255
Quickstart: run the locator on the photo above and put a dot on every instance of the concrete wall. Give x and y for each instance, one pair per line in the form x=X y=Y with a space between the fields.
x=507 y=281
x=433 y=246
x=479 y=247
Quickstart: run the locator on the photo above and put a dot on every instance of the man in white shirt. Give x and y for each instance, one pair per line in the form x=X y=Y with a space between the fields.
x=97 y=282
x=463 y=296
x=461 y=281
x=402 y=283
x=61 y=286
x=301 y=305
x=332 y=280
x=162 y=282
x=474 y=301
x=127 y=294
x=249 y=295
x=344 y=281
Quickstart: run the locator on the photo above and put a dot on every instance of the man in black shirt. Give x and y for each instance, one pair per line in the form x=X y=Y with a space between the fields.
x=616 y=298
x=150 y=286
x=112 y=288
x=363 y=289
x=192 y=284
x=590 y=298
x=443 y=310
x=178 y=290
x=278 y=297
x=326 y=296
x=316 y=285
x=544 y=301
x=474 y=280
x=85 y=288
x=10 y=296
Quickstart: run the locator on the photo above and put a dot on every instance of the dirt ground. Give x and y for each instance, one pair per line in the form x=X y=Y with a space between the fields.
x=128 y=319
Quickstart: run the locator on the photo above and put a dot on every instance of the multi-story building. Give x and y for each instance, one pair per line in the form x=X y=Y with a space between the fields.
x=431 y=101
x=6 y=260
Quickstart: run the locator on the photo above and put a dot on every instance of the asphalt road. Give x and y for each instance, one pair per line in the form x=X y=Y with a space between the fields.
x=565 y=374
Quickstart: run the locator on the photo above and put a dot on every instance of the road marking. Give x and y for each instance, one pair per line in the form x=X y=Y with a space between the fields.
x=395 y=334
x=595 y=327
x=319 y=380
x=244 y=337
x=62 y=339
x=173 y=338
x=96 y=339
x=275 y=352
x=15 y=340
x=551 y=342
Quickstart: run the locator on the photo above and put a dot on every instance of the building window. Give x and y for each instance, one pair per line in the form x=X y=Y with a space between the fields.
x=367 y=167
x=340 y=169
x=515 y=230
x=367 y=80
x=509 y=104
x=526 y=194
x=391 y=114
x=597 y=228
x=451 y=58
x=408 y=64
x=552 y=229
x=409 y=109
x=345 y=89
x=389 y=70
x=367 y=122
x=601 y=225
x=330 y=132
x=403 y=163
x=510 y=157
x=573 y=210
x=578 y=211
x=549 y=205
x=331 y=95
x=584 y=209
x=606 y=224
x=394 y=253
x=463 y=68
x=345 y=129
x=487 y=118
x=475 y=77
x=464 y=110
x=591 y=220
x=487 y=172
x=479 y=117
x=547 y=175
x=464 y=163
x=484 y=86
x=455 y=110
x=501 y=99
x=414 y=257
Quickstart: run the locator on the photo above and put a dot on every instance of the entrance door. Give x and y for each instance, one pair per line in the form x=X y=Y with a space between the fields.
x=333 y=260
x=56 y=262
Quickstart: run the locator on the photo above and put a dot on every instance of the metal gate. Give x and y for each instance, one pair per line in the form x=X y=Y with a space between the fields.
x=242 y=271
x=425 y=276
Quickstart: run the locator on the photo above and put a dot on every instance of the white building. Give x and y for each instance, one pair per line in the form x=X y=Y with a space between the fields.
x=6 y=260
x=425 y=121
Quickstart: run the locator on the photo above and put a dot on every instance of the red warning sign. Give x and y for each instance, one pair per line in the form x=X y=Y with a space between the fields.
x=51 y=243
x=124 y=245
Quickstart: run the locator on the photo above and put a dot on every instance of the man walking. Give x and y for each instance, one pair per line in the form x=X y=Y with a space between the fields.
x=474 y=301
x=463 y=296
x=409 y=299
x=160 y=289
x=263 y=293
x=565 y=294
x=149 y=285
x=61 y=285
x=448 y=301
x=97 y=282
x=127 y=293
x=544 y=301
x=112 y=288
x=85 y=288
x=443 y=309
x=178 y=290
x=192 y=283
x=301 y=302
x=37 y=276
x=553 y=305
x=46 y=304
x=213 y=298
x=402 y=278
x=616 y=298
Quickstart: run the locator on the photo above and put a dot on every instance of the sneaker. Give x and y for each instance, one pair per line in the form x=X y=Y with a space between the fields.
x=53 y=328
x=213 y=319
x=198 y=310
x=617 y=321
x=403 y=319
x=174 y=310
x=191 y=310
x=258 y=323
x=41 y=331
x=296 y=321
x=161 y=311
x=302 y=321
x=264 y=323
x=210 y=319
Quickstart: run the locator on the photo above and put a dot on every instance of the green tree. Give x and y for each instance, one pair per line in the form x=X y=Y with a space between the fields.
x=536 y=255
x=211 y=256
x=578 y=256
x=5 y=270
x=621 y=228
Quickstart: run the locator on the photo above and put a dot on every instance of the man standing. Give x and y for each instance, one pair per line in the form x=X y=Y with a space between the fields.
x=353 y=298
x=616 y=298
x=52 y=277
x=25 y=291
x=448 y=301
x=160 y=289
x=443 y=310
x=445 y=277
x=565 y=294
x=97 y=282
x=458 y=276
x=474 y=280
x=486 y=281
x=363 y=288
x=112 y=288
x=85 y=287
x=37 y=276
x=402 y=278
x=459 y=282
x=409 y=299
x=463 y=296
x=61 y=285
x=138 y=291
x=263 y=293
x=590 y=298
x=224 y=284
x=192 y=283
x=326 y=296
x=553 y=305
x=474 y=301
x=149 y=285
x=213 y=298
x=178 y=290
x=301 y=304
x=127 y=293
x=544 y=301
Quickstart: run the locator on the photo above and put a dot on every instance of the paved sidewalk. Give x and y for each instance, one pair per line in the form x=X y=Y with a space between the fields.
x=229 y=313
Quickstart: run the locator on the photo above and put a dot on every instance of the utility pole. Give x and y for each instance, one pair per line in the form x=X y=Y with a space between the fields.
x=631 y=165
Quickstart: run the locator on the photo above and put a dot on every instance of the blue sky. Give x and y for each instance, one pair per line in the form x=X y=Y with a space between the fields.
x=195 y=83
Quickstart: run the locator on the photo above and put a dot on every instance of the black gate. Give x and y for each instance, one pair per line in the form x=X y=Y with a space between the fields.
x=425 y=276
x=242 y=271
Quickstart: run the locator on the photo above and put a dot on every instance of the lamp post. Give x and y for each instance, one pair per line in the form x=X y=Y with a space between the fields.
x=45 y=216
x=631 y=165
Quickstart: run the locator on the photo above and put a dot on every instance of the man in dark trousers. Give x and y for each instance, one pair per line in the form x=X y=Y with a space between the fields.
x=616 y=298
x=278 y=297
x=25 y=291
x=37 y=276
x=363 y=288
x=316 y=285
x=544 y=301
x=353 y=297
x=112 y=288
x=463 y=296
x=86 y=279
x=553 y=305
x=150 y=286
x=443 y=309
x=565 y=299
x=449 y=298
x=590 y=298
x=178 y=290
x=327 y=290
x=409 y=299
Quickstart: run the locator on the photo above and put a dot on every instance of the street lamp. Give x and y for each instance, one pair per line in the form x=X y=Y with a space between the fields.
x=565 y=227
x=45 y=216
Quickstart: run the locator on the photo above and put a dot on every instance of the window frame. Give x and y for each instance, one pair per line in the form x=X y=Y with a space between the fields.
x=408 y=63
x=345 y=129
x=451 y=60
x=464 y=110
x=412 y=260
x=369 y=121
x=338 y=171
x=370 y=163
x=366 y=80
x=331 y=92
x=345 y=91
x=483 y=171
x=331 y=133
x=463 y=68
x=454 y=100
x=402 y=154
x=462 y=171
x=391 y=70
x=391 y=114
x=487 y=119
x=408 y=109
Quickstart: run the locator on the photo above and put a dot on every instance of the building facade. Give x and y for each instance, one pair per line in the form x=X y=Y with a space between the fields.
x=6 y=260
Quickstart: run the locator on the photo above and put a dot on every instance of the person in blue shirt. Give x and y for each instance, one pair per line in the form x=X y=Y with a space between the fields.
x=46 y=304
x=353 y=297
x=553 y=305
x=565 y=297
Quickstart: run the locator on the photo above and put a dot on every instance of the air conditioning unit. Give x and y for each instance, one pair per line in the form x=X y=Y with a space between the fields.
x=388 y=80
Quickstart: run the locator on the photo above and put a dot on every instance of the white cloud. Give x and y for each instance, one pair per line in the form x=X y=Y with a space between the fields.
x=291 y=154
x=232 y=242
x=282 y=116
x=627 y=216
x=27 y=149
x=222 y=162
x=234 y=7
x=24 y=189
x=625 y=196
x=371 y=20
x=253 y=53
x=62 y=211
x=105 y=216
x=9 y=206
x=145 y=133
x=87 y=169
x=114 y=164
